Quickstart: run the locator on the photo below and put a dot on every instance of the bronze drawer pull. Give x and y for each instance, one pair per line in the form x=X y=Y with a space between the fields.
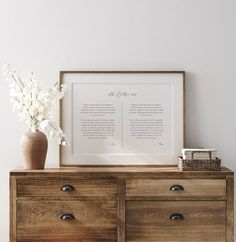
x=176 y=188
x=67 y=188
x=176 y=216
x=67 y=216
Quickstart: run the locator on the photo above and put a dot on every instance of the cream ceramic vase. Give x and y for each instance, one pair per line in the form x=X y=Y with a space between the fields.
x=34 y=147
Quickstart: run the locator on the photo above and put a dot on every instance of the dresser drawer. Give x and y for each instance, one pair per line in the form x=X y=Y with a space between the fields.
x=175 y=221
x=66 y=187
x=175 y=188
x=72 y=221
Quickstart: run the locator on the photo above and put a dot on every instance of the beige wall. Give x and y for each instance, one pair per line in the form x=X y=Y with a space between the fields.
x=196 y=36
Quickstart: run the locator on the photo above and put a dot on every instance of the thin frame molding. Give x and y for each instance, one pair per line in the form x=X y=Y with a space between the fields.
x=61 y=74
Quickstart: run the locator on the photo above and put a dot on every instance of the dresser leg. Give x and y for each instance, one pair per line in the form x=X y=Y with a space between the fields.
x=230 y=209
x=12 y=235
x=121 y=209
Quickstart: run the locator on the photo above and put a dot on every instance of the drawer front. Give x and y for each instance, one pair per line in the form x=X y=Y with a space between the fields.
x=175 y=188
x=72 y=221
x=175 y=221
x=67 y=187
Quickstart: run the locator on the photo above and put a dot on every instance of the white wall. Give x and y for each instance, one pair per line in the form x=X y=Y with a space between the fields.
x=196 y=36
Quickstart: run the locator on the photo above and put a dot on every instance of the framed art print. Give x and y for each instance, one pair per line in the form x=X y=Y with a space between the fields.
x=122 y=117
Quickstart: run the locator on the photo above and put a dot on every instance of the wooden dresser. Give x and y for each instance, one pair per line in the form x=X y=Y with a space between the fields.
x=132 y=204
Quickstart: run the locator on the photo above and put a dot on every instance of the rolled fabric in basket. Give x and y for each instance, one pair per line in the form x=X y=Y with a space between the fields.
x=199 y=154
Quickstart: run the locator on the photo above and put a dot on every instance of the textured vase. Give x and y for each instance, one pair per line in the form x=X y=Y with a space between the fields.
x=34 y=147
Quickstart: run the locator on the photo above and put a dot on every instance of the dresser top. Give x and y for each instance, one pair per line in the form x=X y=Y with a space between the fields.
x=158 y=171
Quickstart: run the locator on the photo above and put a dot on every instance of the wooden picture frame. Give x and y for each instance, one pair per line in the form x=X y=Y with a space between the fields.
x=122 y=117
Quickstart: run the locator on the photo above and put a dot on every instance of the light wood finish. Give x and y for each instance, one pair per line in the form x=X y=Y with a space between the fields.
x=171 y=171
x=150 y=221
x=52 y=187
x=131 y=203
x=121 y=215
x=40 y=221
x=161 y=188
x=13 y=196
x=64 y=72
x=230 y=208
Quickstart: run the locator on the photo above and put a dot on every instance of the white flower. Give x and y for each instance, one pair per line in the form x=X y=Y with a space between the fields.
x=32 y=104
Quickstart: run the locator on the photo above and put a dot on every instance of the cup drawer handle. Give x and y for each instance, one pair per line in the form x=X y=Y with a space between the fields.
x=67 y=216
x=176 y=188
x=67 y=188
x=176 y=216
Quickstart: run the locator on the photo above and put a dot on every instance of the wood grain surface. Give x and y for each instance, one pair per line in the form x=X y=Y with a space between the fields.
x=123 y=204
x=52 y=187
x=171 y=171
x=230 y=209
x=161 y=188
x=149 y=221
x=41 y=221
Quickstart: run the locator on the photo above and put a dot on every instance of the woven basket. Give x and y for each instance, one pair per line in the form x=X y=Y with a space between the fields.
x=199 y=165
